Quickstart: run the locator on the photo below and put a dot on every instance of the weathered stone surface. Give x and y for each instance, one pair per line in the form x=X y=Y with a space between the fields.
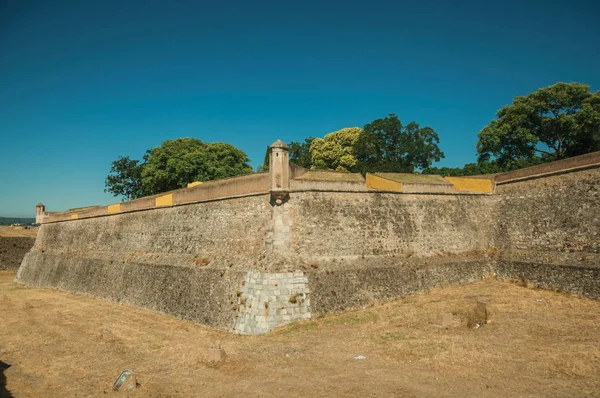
x=229 y=233
x=200 y=295
x=342 y=289
x=336 y=225
x=560 y=213
x=269 y=300
x=580 y=280
x=549 y=229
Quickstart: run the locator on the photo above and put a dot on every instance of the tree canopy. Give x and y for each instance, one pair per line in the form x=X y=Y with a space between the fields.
x=300 y=152
x=554 y=122
x=173 y=165
x=336 y=150
x=261 y=168
x=382 y=145
x=125 y=178
x=483 y=167
x=387 y=145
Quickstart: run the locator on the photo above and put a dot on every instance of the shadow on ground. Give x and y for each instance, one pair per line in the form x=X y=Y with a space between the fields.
x=4 y=393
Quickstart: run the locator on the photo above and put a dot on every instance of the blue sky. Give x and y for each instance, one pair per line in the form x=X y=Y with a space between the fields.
x=82 y=82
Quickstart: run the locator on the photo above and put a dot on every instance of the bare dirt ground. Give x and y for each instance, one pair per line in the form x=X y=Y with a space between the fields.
x=539 y=344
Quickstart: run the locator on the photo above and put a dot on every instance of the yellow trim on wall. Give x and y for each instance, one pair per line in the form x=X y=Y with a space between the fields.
x=376 y=182
x=483 y=185
x=114 y=208
x=74 y=216
x=193 y=184
x=165 y=200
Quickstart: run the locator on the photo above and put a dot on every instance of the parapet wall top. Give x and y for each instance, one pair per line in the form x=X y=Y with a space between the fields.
x=279 y=144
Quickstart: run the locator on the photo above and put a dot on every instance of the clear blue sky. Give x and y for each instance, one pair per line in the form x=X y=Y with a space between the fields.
x=82 y=82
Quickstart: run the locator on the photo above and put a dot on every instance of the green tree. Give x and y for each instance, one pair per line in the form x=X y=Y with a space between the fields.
x=173 y=165
x=336 y=150
x=470 y=169
x=484 y=167
x=551 y=123
x=388 y=146
x=178 y=162
x=300 y=153
x=445 y=171
x=125 y=178
x=266 y=162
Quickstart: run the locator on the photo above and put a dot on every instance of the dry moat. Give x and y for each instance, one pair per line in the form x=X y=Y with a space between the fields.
x=539 y=343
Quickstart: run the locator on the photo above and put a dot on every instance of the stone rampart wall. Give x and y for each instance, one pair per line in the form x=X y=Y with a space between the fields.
x=338 y=224
x=559 y=166
x=549 y=228
x=558 y=213
x=201 y=295
x=579 y=280
x=235 y=262
x=184 y=260
x=224 y=232
x=359 y=283
x=219 y=189
x=312 y=185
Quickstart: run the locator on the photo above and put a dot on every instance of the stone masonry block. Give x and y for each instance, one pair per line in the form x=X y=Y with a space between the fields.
x=284 y=228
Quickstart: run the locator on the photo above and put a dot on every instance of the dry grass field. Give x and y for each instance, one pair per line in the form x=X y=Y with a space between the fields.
x=17 y=232
x=539 y=344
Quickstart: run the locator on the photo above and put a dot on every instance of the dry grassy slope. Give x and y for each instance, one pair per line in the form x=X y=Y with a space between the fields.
x=539 y=344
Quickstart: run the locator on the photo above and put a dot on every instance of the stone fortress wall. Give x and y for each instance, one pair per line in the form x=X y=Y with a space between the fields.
x=252 y=253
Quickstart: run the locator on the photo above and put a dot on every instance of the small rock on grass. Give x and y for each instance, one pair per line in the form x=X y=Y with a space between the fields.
x=216 y=354
x=444 y=320
x=107 y=336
